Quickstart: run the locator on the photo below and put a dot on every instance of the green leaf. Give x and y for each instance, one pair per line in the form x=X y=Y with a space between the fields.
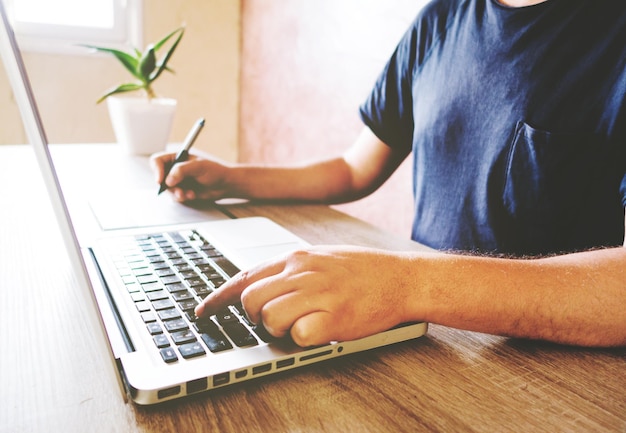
x=162 y=42
x=143 y=66
x=162 y=65
x=126 y=59
x=128 y=87
x=147 y=64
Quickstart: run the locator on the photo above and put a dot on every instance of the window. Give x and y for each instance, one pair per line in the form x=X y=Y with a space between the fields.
x=60 y=25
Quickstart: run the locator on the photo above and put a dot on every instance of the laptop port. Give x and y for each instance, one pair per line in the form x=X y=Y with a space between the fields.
x=168 y=392
x=197 y=385
x=316 y=355
x=285 y=362
x=261 y=368
x=221 y=379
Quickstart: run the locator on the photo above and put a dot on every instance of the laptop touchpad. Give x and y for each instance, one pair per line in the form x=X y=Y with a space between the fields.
x=248 y=241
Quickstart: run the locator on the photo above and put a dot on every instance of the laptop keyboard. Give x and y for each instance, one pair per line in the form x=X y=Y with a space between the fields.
x=167 y=275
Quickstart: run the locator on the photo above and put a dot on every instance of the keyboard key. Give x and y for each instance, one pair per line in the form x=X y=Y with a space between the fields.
x=182 y=296
x=182 y=337
x=154 y=328
x=230 y=269
x=142 y=272
x=137 y=296
x=170 y=314
x=199 y=261
x=188 y=274
x=170 y=279
x=184 y=268
x=169 y=355
x=163 y=304
x=191 y=350
x=239 y=334
x=152 y=287
x=129 y=280
x=226 y=316
x=164 y=272
x=188 y=250
x=195 y=281
x=177 y=287
x=210 y=251
x=161 y=341
x=160 y=265
x=148 y=317
x=159 y=294
x=143 y=306
x=175 y=325
x=147 y=278
x=217 y=282
x=215 y=340
x=211 y=274
x=207 y=269
x=202 y=291
x=206 y=325
x=188 y=304
x=216 y=343
x=138 y=264
x=177 y=237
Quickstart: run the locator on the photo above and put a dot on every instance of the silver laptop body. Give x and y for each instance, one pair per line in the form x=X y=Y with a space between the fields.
x=154 y=366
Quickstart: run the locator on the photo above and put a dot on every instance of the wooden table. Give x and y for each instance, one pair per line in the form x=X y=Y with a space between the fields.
x=54 y=371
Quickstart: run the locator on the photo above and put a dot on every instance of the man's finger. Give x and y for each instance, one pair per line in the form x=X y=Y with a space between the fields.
x=230 y=292
x=158 y=162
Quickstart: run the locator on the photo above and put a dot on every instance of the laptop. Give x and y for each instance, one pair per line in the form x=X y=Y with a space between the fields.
x=145 y=281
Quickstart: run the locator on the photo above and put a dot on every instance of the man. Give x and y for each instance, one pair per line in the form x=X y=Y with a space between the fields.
x=514 y=113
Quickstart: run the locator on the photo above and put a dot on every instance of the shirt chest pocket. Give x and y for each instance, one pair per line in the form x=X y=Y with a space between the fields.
x=550 y=178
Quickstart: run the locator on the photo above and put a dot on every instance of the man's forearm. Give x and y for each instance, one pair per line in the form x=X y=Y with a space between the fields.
x=572 y=299
x=362 y=168
x=327 y=181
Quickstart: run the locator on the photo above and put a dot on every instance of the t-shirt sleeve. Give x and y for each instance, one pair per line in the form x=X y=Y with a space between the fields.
x=388 y=110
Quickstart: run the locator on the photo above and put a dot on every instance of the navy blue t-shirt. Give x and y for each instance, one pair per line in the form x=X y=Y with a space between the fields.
x=516 y=119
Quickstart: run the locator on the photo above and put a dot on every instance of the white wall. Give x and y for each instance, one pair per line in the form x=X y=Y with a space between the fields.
x=206 y=82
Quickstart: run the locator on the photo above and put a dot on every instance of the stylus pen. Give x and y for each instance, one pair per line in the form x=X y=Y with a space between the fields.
x=183 y=154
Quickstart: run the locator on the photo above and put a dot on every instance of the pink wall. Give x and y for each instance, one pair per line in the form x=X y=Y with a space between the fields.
x=307 y=65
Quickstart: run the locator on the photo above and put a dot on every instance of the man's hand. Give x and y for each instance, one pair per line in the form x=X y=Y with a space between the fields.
x=196 y=178
x=319 y=295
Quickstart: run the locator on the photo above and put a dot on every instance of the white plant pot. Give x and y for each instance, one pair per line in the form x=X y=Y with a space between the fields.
x=141 y=126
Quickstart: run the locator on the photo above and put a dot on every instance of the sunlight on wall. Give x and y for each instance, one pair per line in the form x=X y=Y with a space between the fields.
x=94 y=13
x=205 y=83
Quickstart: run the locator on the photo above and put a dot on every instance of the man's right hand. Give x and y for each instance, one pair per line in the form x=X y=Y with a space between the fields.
x=194 y=179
